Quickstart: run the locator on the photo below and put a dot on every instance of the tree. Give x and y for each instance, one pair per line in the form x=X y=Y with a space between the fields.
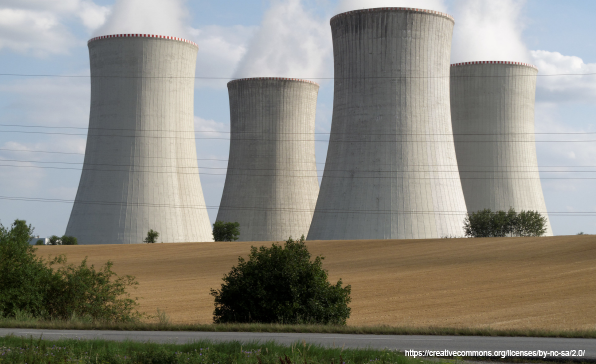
x=226 y=231
x=55 y=240
x=486 y=223
x=69 y=240
x=151 y=237
x=39 y=242
x=530 y=223
x=479 y=224
x=281 y=285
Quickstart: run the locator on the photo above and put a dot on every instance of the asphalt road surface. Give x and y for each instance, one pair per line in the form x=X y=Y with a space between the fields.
x=565 y=349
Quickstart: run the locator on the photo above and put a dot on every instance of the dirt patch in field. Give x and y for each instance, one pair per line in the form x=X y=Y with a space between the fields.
x=500 y=283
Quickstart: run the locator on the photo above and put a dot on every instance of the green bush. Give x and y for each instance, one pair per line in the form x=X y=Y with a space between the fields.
x=486 y=223
x=281 y=285
x=151 y=237
x=69 y=240
x=55 y=240
x=31 y=286
x=226 y=231
x=39 y=242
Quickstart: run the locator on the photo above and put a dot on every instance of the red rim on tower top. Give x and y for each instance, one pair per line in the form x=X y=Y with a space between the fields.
x=142 y=36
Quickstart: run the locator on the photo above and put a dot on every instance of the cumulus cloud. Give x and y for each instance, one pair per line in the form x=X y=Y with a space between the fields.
x=38 y=27
x=564 y=88
x=488 y=31
x=347 y=5
x=291 y=42
x=146 y=16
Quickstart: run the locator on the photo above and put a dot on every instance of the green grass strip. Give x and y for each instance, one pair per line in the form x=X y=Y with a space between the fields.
x=33 y=351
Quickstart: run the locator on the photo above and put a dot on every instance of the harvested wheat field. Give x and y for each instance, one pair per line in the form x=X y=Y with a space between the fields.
x=501 y=283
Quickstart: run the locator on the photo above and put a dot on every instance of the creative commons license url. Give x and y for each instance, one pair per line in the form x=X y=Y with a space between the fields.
x=496 y=353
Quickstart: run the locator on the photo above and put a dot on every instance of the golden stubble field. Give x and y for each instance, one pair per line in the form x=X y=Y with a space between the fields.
x=501 y=283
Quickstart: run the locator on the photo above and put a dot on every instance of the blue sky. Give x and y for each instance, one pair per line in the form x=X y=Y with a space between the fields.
x=288 y=38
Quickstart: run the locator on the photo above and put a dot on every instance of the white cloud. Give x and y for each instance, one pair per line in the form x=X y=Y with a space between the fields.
x=291 y=42
x=47 y=101
x=38 y=27
x=347 y=5
x=220 y=50
x=488 y=31
x=564 y=88
x=146 y=16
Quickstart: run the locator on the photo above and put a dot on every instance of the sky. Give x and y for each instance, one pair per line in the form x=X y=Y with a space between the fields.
x=44 y=118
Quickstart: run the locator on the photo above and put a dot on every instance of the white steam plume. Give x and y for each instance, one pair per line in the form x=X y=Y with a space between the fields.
x=347 y=5
x=163 y=17
x=291 y=42
x=488 y=31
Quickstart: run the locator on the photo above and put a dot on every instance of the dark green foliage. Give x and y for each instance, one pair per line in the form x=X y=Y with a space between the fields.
x=281 y=285
x=24 y=278
x=580 y=233
x=486 y=223
x=529 y=223
x=69 y=240
x=55 y=240
x=39 y=242
x=226 y=231
x=31 y=286
x=151 y=237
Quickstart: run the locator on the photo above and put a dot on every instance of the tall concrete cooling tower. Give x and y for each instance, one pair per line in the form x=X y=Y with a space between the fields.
x=140 y=170
x=271 y=185
x=492 y=108
x=391 y=171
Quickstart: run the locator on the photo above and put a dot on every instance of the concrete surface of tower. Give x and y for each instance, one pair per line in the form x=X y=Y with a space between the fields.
x=492 y=109
x=391 y=171
x=140 y=170
x=271 y=185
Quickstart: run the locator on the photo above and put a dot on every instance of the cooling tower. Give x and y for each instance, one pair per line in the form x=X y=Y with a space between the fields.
x=271 y=185
x=492 y=109
x=140 y=170
x=391 y=171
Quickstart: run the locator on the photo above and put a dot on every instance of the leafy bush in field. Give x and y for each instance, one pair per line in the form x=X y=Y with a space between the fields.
x=487 y=223
x=39 y=242
x=31 y=287
x=69 y=240
x=55 y=240
x=151 y=237
x=281 y=285
x=226 y=231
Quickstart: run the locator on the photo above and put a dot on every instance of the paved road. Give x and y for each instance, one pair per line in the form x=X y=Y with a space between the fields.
x=395 y=342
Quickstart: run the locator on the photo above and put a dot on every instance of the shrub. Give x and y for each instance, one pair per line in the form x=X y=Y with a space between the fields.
x=281 y=285
x=226 y=231
x=69 y=240
x=39 y=242
x=31 y=286
x=486 y=223
x=151 y=237
x=55 y=240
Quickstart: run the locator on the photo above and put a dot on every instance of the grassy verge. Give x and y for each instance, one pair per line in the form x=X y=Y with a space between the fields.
x=33 y=351
x=375 y=330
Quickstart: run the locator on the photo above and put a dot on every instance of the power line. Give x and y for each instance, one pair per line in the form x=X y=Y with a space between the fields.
x=301 y=78
x=293 y=170
x=379 y=211
x=311 y=140
x=277 y=133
